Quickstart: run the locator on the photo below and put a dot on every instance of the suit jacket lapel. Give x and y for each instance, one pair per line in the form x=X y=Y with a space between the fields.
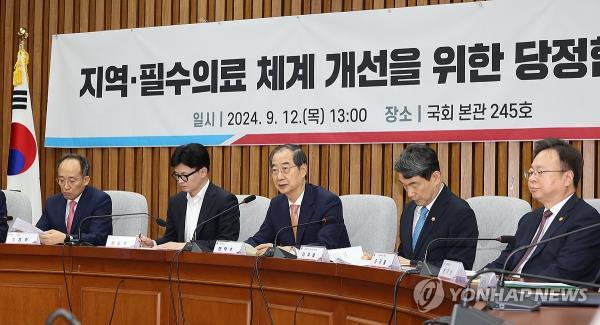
x=180 y=213
x=307 y=210
x=557 y=223
x=207 y=205
x=437 y=212
x=62 y=215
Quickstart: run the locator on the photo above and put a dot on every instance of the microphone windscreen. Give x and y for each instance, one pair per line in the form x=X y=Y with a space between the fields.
x=506 y=239
x=249 y=198
x=161 y=222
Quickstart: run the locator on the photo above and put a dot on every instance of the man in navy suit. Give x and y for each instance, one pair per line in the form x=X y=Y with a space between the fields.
x=3 y=223
x=552 y=179
x=64 y=212
x=299 y=203
x=198 y=201
x=434 y=212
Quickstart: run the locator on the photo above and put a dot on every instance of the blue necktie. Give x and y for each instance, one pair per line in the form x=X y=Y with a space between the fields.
x=419 y=226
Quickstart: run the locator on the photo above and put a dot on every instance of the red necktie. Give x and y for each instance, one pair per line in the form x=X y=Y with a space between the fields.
x=72 y=205
x=294 y=218
x=545 y=217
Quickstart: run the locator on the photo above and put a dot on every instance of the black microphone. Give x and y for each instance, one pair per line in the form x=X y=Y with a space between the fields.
x=277 y=252
x=430 y=270
x=194 y=247
x=78 y=241
x=543 y=241
x=7 y=218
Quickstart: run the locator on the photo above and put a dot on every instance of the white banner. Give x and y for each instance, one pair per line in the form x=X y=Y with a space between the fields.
x=496 y=70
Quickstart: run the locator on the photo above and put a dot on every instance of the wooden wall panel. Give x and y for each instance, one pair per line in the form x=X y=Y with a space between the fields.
x=468 y=168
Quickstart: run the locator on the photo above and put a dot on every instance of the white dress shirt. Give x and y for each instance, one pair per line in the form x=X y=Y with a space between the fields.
x=192 y=212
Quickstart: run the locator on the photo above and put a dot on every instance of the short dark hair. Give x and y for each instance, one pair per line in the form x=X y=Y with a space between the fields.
x=83 y=162
x=193 y=155
x=570 y=158
x=298 y=154
x=417 y=160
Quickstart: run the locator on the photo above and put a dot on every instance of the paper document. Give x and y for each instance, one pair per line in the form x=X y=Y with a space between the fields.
x=24 y=226
x=521 y=284
x=349 y=255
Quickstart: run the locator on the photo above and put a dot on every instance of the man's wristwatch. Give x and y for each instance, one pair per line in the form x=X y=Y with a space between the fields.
x=67 y=238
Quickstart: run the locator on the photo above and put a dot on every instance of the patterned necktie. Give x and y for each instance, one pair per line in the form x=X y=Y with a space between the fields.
x=72 y=205
x=294 y=218
x=545 y=217
x=419 y=226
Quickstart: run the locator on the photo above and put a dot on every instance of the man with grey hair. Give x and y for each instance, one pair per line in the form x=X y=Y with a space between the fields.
x=63 y=213
x=299 y=203
x=434 y=212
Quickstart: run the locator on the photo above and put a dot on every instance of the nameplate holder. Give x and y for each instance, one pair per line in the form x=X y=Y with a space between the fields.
x=388 y=261
x=453 y=271
x=27 y=238
x=229 y=247
x=122 y=241
x=313 y=253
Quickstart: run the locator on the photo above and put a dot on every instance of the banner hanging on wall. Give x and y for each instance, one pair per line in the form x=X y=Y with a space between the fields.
x=484 y=71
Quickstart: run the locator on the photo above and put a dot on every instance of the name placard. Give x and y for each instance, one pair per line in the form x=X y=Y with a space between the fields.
x=453 y=271
x=313 y=253
x=29 y=238
x=386 y=261
x=122 y=241
x=229 y=247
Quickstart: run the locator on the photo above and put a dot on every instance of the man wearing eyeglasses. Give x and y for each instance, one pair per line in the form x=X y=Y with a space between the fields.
x=552 y=179
x=63 y=213
x=299 y=203
x=198 y=201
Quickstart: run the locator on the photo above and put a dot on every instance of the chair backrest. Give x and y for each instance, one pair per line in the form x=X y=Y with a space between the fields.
x=17 y=206
x=496 y=216
x=252 y=215
x=371 y=221
x=129 y=202
x=594 y=202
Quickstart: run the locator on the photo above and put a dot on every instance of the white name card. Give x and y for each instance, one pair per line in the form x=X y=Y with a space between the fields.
x=386 y=261
x=122 y=242
x=29 y=238
x=487 y=280
x=454 y=272
x=313 y=253
x=229 y=247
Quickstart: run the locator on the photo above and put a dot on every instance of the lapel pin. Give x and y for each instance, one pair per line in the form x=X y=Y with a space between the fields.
x=432 y=219
x=561 y=218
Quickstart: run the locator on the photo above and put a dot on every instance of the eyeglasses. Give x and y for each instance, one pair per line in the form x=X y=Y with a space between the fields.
x=70 y=181
x=183 y=177
x=539 y=173
x=284 y=170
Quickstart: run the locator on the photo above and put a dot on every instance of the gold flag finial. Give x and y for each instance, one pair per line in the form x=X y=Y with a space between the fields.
x=22 y=57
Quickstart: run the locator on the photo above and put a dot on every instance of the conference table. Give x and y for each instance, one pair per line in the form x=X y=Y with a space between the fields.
x=216 y=289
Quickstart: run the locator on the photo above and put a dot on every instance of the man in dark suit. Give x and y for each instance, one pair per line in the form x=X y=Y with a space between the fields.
x=198 y=201
x=63 y=213
x=552 y=179
x=3 y=223
x=434 y=212
x=299 y=203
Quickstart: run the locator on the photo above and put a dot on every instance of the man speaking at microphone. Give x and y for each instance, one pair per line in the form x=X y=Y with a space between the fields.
x=299 y=203
x=64 y=212
x=198 y=201
x=552 y=179
x=434 y=212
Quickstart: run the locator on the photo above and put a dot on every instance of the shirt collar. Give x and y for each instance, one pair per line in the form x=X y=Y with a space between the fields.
x=298 y=201
x=558 y=206
x=435 y=198
x=76 y=199
x=200 y=194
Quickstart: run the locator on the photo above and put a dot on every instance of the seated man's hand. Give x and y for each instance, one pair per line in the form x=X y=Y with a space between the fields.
x=262 y=248
x=145 y=241
x=171 y=245
x=52 y=237
x=404 y=261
